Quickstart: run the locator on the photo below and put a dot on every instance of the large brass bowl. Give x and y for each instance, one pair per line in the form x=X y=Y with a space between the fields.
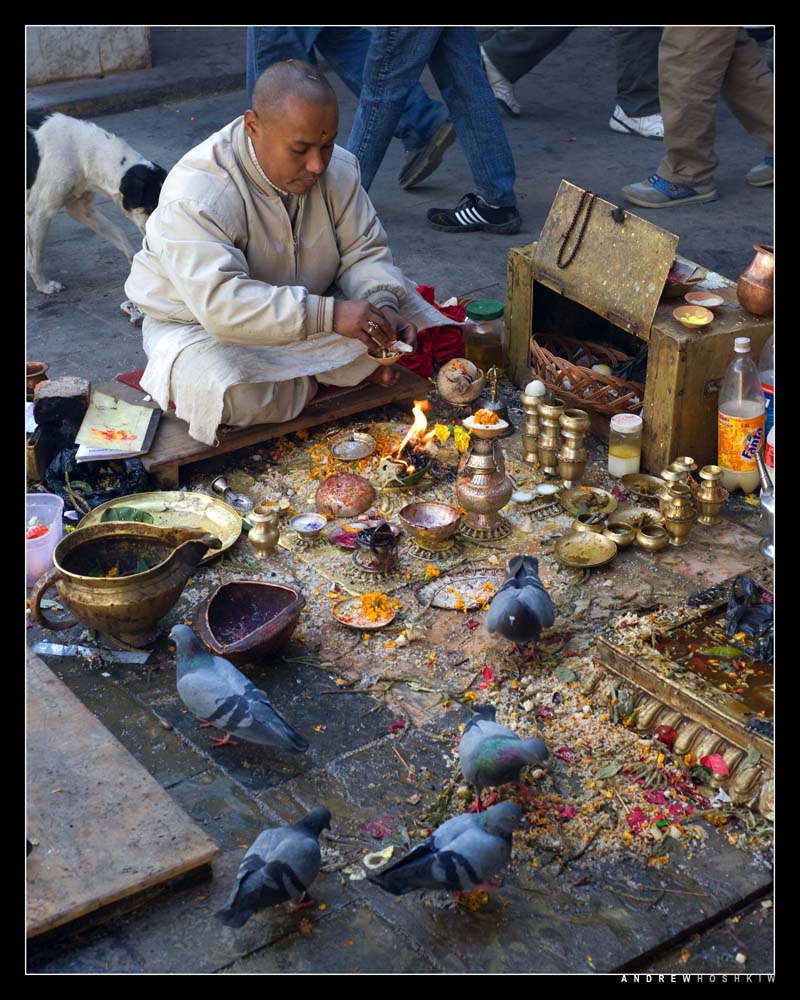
x=121 y=577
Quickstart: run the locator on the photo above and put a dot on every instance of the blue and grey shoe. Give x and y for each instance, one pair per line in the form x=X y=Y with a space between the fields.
x=763 y=174
x=656 y=192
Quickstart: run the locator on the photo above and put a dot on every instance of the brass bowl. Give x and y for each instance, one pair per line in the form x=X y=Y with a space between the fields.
x=622 y=534
x=693 y=317
x=652 y=537
x=35 y=372
x=308 y=525
x=388 y=358
x=581 y=523
x=635 y=517
x=430 y=524
x=150 y=565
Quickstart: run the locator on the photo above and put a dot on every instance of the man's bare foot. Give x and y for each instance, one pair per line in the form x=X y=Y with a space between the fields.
x=386 y=375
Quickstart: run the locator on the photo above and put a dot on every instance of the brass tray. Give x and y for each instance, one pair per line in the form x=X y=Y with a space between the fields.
x=636 y=517
x=352 y=447
x=598 y=501
x=585 y=550
x=642 y=486
x=179 y=509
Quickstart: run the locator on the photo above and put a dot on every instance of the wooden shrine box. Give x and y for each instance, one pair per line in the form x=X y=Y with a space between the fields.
x=611 y=293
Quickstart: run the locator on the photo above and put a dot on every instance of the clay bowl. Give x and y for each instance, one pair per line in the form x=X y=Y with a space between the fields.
x=706 y=299
x=35 y=372
x=344 y=495
x=247 y=619
x=430 y=524
x=693 y=317
x=388 y=358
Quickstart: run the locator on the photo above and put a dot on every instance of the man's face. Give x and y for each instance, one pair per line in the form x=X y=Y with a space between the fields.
x=294 y=145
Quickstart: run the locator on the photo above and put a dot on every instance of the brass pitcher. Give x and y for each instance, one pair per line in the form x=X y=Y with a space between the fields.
x=679 y=513
x=754 y=289
x=264 y=534
x=121 y=577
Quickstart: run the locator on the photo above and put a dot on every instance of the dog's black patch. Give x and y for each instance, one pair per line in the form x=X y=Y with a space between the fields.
x=33 y=121
x=140 y=187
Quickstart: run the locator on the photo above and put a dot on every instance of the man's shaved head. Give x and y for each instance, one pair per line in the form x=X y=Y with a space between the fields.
x=290 y=79
x=293 y=124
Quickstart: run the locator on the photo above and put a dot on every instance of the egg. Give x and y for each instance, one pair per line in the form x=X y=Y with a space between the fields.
x=601 y=369
x=535 y=388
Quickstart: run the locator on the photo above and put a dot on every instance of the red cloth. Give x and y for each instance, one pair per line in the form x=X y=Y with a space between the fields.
x=132 y=379
x=437 y=344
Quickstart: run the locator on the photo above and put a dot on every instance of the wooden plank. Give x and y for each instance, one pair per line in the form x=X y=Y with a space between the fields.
x=172 y=446
x=106 y=828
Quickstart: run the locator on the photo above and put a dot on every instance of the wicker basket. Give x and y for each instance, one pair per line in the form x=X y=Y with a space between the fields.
x=553 y=360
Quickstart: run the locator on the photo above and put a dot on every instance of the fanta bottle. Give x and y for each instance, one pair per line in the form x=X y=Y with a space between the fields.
x=740 y=421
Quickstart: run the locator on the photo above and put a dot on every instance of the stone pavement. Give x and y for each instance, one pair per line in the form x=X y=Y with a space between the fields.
x=539 y=921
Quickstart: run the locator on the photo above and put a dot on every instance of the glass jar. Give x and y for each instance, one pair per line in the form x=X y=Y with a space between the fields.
x=624 y=444
x=485 y=334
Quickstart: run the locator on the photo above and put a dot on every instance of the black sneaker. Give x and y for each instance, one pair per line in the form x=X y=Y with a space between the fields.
x=471 y=214
x=422 y=162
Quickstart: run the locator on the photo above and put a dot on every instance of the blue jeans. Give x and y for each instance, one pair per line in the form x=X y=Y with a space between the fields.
x=346 y=50
x=396 y=58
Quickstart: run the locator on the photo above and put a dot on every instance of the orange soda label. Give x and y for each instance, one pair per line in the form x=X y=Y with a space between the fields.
x=738 y=441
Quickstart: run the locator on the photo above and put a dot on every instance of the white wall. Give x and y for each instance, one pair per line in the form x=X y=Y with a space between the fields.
x=70 y=53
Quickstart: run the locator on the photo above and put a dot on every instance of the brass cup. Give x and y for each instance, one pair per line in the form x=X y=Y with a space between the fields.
x=581 y=524
x=622 y=534
x=652 y=537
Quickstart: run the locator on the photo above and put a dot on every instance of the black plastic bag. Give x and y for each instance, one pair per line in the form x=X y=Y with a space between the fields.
x=92 y=483
x=745 y=612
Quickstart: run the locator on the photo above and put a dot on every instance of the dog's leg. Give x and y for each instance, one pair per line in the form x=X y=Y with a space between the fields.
x=83 y=210
x=35 y=237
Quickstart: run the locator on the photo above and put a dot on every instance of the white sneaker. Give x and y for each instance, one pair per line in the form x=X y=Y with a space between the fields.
x=649 y=127
x=502 y=89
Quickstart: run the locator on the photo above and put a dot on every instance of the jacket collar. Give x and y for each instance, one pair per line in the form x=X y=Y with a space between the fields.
x=254 y=175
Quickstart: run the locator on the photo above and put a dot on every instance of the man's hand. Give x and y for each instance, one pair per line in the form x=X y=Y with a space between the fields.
x=403 y=330
x=361 y=321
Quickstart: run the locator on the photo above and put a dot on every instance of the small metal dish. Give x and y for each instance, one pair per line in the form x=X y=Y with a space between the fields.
x=352 y=447
x=652 y=537
x=583 y=522
x=598 y=501
x=487 y=431
x=642 y=486
x=635 y=517
x=693 y=317
x=308 y=525
x=621 y=533
x=585 y=550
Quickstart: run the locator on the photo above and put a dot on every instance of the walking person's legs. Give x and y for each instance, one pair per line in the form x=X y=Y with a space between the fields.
x=637 y=110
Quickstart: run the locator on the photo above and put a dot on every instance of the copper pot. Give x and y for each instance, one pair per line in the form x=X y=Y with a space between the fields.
x=35 y=372
x=754 y=289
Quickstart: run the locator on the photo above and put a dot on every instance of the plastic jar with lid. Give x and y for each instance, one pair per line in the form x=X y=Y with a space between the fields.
x=485 y=334
x=624 y=444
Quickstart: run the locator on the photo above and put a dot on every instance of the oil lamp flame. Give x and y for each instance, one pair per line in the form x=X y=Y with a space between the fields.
x=418 y=436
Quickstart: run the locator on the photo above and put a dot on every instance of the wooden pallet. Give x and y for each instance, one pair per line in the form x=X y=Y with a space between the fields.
x=106 y=829
x=173 y=448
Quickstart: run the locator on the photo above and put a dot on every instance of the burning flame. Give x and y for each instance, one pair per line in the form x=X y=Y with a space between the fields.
x=418 y=435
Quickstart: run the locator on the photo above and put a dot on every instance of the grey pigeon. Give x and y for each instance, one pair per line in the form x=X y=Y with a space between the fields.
x=461 y=855
x=521 y=608
x=491 y=754
x=279 y=867
x=215 y=691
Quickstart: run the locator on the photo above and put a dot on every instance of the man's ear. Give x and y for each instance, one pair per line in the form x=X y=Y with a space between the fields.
x=251 y=123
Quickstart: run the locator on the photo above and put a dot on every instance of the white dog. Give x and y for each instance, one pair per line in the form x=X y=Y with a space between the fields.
x=68 y=161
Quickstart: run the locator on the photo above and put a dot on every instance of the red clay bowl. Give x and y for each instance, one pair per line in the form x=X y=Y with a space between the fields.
x=248 y=619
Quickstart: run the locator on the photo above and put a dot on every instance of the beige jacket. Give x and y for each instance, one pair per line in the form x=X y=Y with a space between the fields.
x=220 y=250
x=222 y=266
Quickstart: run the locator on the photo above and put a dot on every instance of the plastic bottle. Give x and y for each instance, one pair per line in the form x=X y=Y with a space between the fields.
x=740 y=421
x=766 y=368
x=769 y=454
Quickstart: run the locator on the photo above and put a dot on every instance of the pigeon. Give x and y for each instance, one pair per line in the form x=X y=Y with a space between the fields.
x=462 y=854
x=491 y=754
x=521 y=608
x=217 y=693
x=279 y=867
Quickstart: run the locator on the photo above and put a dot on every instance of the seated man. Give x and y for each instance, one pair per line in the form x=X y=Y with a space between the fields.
x=253 y=228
